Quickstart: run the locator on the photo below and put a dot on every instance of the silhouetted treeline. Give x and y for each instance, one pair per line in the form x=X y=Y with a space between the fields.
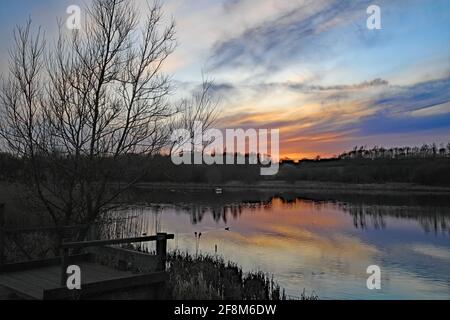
x=163 y=170
x=424 y=165
x=428 y=165
x=419 y=171
x=406 y=152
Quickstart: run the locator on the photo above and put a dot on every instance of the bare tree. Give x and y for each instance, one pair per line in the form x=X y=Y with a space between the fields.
x=201 y=108
x=76 y=112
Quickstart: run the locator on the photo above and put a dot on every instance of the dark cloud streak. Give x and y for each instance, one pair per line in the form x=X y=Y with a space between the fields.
x=277 y=42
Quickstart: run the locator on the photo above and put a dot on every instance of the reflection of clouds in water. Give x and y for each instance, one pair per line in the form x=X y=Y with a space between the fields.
x=315 y=245
x=432 y=251
x=292 y=247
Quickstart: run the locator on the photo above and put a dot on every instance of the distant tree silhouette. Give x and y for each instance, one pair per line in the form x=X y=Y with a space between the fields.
x=425 y=151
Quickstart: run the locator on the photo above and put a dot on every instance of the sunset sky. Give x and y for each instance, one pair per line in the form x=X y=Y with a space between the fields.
x=308 y=67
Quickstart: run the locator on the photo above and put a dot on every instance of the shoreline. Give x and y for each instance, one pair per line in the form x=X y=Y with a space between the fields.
x=301 y=186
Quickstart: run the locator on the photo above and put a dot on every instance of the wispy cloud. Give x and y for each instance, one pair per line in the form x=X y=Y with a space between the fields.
x=277 y=41
x=340 y=112
x=308 y=67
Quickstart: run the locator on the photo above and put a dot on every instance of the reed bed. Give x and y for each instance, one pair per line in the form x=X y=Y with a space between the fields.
x=212 y=278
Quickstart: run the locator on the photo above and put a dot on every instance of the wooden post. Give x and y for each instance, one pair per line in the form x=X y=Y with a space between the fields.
x=94 y=231
x=161 y=250
x=2 y=234
x=64 y=263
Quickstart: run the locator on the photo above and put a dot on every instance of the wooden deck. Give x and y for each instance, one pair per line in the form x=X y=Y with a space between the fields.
x=46 y=279
x=35 y=282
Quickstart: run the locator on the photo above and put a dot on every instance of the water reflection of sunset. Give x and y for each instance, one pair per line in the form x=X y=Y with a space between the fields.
x=316 y=245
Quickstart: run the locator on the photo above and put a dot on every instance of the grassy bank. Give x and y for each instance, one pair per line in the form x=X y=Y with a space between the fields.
x=281 y=185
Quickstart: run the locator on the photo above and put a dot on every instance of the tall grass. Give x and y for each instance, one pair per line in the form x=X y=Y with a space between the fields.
x=211 y=278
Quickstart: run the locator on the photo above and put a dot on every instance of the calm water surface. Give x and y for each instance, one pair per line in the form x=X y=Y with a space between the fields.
x=322 y=246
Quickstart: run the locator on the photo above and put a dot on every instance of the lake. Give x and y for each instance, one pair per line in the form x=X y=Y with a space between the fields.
x=313 y=242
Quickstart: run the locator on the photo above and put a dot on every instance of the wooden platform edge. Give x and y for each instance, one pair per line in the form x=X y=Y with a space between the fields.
x=32 y=264
x=96 y=288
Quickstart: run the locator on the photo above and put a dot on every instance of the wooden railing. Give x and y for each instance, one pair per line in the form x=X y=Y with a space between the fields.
x=66 y=247
x=161 y=249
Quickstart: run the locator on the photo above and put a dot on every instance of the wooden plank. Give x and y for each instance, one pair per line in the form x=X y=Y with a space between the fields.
x=53 y=271
x=48 y=274
x=97 y=288
x=21 y=286
x=34 y=279
x=96 y=279
x=11 y=267
x=34 y=282
x=99 y=243
x=91 y=272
